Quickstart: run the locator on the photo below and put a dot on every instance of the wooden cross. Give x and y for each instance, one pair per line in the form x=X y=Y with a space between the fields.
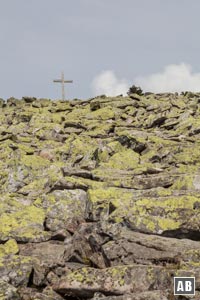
x=63 y=81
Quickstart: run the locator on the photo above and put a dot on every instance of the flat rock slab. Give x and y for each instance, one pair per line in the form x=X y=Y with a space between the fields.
x=115 y=280
x=157 y=211
x=50 y=253
x=129 y=246
x=104 y=245
x=149 y=295
x=33 y=294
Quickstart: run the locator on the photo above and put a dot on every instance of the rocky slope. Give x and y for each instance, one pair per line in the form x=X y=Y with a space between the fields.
x=100 y=199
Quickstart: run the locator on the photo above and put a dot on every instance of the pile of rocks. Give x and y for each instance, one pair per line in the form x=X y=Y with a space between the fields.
x=100 y=199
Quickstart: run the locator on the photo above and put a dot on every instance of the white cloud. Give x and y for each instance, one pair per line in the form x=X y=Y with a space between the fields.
x=107 y=83
x=174 y=78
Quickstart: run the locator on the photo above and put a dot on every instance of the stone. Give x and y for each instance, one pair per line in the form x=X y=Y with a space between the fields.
x=8 y=292
x=149 y=295
x=119 y=280
x=86 y=247
x=50 y=252
x=68 y=211
x=29 y=99
x=97 y=194
x=16 y=269
x=23 y=225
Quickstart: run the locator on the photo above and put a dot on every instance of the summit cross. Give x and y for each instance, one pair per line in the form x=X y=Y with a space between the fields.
x=63 y=81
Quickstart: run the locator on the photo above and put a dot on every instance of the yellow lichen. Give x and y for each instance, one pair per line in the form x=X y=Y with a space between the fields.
x=23 y=221
x=10 y=247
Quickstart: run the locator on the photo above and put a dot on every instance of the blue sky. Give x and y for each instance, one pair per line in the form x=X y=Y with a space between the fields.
x=103 y=45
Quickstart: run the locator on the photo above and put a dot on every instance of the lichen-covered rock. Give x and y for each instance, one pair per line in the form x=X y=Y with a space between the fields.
x=149 y=295
x=8 y=292
x=16 y=269
x=23 y=225
x=116 y=280
x=128 y=246
x=67 y=212
x=10 y=247
x=97 y=194
x=158 y=212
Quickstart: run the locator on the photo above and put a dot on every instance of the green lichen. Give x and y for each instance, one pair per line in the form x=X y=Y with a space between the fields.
x=78 y=114
x=124 y=160
x=10 y=247
x=26 y=222
x=146 y=221
x=118 y=271
x=36 y=187
x=26 y=149
x=183 y=183
x=81 y=275
x=162 y=192
x=98 y=130
x=150 y=273
x=184 y=155
x=167 y=223
x=118 y=197
x=78 y=277
x=34 y=162
x=104 y=113
x=169 y=203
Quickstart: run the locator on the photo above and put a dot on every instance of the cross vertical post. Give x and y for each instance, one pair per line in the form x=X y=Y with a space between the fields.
x=63 y=86
x=63 y=81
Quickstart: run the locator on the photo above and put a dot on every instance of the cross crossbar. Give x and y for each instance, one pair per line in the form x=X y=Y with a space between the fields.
x=65 y=81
